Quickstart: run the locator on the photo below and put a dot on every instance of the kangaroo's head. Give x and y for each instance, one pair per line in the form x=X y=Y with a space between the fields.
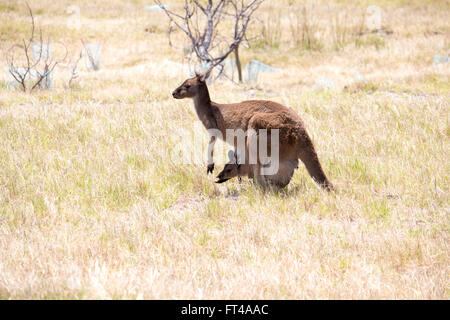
x=191 y=87
x=230 y=170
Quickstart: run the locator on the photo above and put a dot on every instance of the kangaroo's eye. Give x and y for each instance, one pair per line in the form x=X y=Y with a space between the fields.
x=187 y=86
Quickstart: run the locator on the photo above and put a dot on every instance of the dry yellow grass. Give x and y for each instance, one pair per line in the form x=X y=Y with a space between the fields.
x=92 y=207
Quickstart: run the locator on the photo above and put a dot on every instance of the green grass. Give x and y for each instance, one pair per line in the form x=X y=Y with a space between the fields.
x=92 y=204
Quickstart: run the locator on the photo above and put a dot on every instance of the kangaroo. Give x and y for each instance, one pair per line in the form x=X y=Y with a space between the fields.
x=294 y=141
x=279 y=180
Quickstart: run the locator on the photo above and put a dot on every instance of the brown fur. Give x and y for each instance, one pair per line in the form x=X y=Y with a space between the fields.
x=295 y=142
x=278 y=181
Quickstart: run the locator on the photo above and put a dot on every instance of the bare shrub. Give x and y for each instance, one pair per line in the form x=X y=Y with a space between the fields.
x=31 y=62
x=202 y=23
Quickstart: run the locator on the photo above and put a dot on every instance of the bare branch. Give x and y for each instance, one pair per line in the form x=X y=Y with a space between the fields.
x=90 y=56
x=207 y=40
x=73 y=74
x=32 y=22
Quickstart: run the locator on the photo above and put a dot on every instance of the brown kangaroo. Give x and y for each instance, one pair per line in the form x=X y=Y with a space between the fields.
x=294 y=141
x=279 y=180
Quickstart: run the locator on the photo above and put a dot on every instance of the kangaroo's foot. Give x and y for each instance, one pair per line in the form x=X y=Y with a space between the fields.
x=210 y=168
x=328 y=186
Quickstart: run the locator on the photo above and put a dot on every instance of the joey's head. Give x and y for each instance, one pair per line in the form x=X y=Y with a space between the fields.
x=230 y=170
x=191 y=87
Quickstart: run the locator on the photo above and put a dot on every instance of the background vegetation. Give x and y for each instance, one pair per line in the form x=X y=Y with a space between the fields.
x=92 y=207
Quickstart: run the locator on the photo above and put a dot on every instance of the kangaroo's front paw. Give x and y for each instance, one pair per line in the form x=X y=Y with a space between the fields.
x=210 y=168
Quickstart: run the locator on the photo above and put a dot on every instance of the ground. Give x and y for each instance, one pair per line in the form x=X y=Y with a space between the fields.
x=93 y=203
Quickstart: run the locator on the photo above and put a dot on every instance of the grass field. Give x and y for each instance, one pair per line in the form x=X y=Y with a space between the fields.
x=92 y=205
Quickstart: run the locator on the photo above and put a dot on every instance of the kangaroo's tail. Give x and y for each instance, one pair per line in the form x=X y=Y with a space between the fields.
x=309 y=157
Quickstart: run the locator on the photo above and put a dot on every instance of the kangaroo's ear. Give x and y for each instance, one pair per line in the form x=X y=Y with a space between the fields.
x=231 y=156
x=205 y=75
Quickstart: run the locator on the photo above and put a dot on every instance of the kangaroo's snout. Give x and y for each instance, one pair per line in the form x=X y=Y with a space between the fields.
x=221 y=178
x=176 y=93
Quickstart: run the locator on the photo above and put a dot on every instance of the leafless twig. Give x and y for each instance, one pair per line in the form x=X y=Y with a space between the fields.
x=73 y=73
x=94 y=62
